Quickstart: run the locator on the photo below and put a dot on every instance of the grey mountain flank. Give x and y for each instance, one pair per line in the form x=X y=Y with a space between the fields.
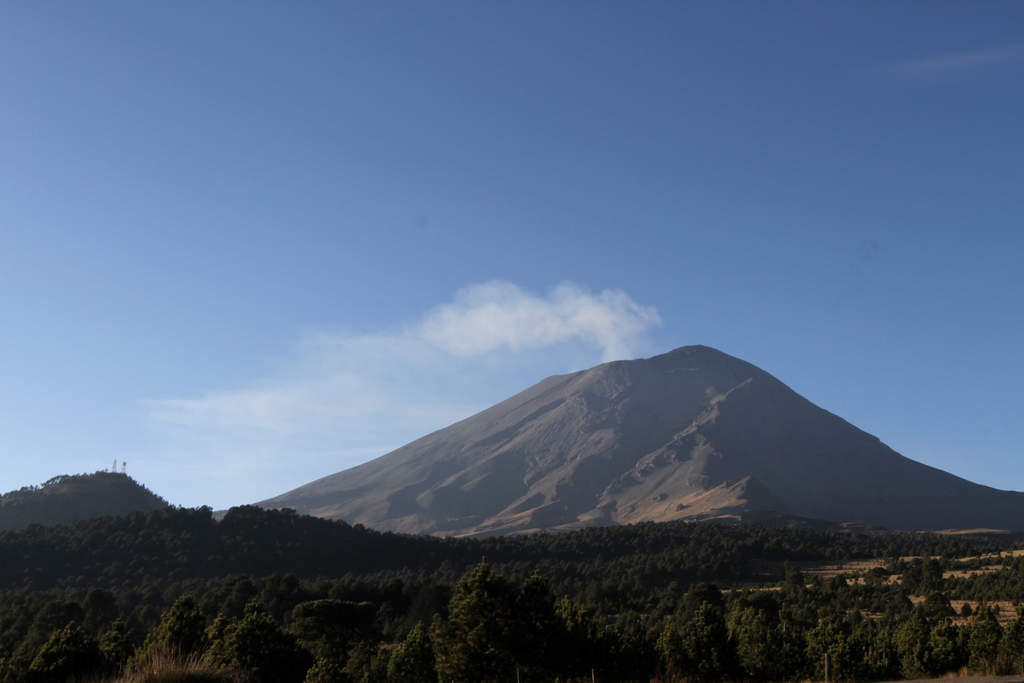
x=690 y=434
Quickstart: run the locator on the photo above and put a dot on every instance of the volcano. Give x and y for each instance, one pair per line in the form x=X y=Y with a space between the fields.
x=691 y=434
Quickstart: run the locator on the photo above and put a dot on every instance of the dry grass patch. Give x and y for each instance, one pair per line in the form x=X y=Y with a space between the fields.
x=827 y=571
x=967 y=573
x=166 y=667
x=993 y=556
x=1005 y=610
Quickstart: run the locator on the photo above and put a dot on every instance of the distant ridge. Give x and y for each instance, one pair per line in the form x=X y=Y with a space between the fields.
x=690 y=434
x=67 y=498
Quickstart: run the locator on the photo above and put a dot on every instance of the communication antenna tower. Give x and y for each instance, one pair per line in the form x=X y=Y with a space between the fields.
x=124 y=466
x=113 y=468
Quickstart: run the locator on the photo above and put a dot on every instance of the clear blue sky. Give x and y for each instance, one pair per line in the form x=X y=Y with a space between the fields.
x=244 y=245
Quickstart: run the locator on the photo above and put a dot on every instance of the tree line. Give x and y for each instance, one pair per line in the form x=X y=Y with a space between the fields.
x=490 y=627
x=271 y=595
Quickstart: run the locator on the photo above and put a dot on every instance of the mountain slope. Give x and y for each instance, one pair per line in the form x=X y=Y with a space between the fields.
x=68 y=498
x=690 y=434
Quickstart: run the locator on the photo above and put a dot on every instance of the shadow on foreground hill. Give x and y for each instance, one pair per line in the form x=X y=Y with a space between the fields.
x=182 y=543
x=69 y=498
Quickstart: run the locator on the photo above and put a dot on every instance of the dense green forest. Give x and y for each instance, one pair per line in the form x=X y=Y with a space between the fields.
x=275 y=596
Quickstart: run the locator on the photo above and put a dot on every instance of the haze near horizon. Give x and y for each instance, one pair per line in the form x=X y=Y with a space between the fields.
x=244 y=246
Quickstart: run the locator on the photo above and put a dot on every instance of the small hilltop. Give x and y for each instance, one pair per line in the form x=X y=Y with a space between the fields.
x=67 y=498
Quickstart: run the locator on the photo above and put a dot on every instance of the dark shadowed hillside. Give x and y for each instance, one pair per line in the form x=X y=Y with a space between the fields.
x=690 y=434
x=173 y=544
x=72 y=497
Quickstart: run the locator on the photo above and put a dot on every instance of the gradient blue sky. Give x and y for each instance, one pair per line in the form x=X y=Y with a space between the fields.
x=244 y=245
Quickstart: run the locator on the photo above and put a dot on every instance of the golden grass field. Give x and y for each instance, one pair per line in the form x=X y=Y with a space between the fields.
x=854 y=571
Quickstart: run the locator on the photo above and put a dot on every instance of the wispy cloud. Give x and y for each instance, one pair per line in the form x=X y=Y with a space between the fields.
x=343 y=398
x=499 y=315
x=958 y=62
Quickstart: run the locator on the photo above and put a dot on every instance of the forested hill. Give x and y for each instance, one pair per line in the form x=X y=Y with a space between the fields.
x=174 y=544
x=68 y=498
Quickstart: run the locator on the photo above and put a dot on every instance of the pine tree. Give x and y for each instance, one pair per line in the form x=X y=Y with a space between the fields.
x=946 y=652
x=761 y=645
x=116 y=646
x=912 y=638
x=1012 y=646
x=181 y=631
x=256 y=645
x=328 y=628
x=698 y=647
x=413 y=658
x=69 y=652
x=984 y=639
x=474 y=643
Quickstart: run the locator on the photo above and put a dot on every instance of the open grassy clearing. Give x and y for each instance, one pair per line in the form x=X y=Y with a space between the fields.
x=855 y=570
x=875 y=571
x=1005 y=610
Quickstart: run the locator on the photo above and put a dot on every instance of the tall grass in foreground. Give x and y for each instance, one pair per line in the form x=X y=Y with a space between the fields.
x=168 y=667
